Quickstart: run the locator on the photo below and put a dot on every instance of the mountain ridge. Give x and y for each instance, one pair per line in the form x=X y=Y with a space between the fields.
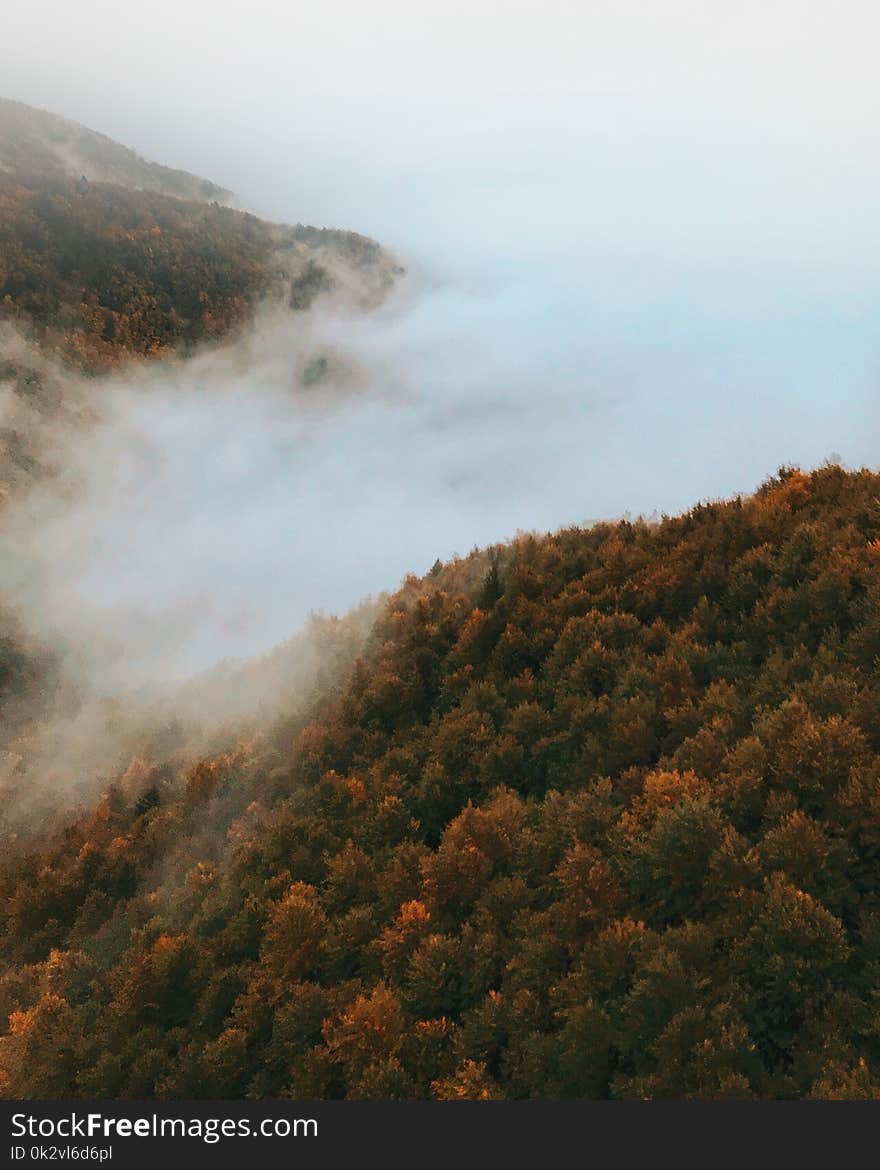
x=42 y=141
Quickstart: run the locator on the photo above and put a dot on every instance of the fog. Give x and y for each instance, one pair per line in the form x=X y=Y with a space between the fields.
x=642 y=267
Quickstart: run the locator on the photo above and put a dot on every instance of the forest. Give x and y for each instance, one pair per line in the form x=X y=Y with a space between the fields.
x=105 y=257
x=102 y=273
x=591 y=814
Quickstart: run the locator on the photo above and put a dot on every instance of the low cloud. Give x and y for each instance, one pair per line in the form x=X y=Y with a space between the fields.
x=214 y=503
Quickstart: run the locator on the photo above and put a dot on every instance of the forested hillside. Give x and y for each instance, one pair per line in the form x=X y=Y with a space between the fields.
x=104 y=256
x=133 y=262
x=594 y=814
x=102 y=273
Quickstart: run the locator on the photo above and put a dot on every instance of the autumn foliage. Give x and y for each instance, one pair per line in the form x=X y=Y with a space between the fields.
x=596 y=816
x=100 y=273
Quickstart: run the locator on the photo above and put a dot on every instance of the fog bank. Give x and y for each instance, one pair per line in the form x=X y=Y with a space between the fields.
x=642 y=250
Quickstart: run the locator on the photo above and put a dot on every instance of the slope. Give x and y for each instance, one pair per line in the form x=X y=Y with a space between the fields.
x=57 y=147
x=594 y=814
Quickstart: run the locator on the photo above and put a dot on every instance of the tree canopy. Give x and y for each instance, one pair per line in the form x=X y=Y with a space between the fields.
x=596 y=814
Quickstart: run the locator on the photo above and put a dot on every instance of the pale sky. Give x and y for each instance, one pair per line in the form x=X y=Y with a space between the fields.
x=800 y=52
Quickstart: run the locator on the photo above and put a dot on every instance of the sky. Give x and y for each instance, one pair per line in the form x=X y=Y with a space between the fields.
x=642 y=250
